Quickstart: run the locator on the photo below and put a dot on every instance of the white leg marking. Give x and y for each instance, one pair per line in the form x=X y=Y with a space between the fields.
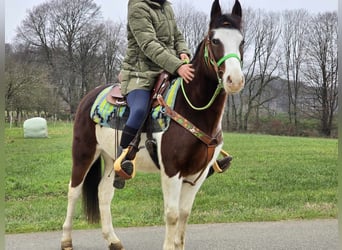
x=106 y=193
x=188 y=194
x=171 y=193
x=73 y=195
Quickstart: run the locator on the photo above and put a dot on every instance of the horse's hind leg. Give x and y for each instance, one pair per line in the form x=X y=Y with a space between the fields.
x=106 y=193
x=79 y=172
x=73 y=195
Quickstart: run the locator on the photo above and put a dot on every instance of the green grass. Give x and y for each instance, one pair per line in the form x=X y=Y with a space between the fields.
x=271 y=178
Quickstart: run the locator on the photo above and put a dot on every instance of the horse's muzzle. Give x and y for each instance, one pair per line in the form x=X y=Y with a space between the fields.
x=234 y=84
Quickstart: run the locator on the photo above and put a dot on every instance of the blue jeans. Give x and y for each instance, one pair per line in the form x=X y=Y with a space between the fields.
x=138 y=102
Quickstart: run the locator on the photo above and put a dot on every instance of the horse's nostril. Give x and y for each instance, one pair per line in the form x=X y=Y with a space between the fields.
x=229 y=79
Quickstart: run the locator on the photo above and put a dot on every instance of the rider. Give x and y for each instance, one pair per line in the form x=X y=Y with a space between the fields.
x=154 y=44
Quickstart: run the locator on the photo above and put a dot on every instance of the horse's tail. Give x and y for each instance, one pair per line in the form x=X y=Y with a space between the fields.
x=90 y=192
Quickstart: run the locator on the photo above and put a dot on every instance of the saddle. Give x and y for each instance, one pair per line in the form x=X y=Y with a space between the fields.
x=115 y=96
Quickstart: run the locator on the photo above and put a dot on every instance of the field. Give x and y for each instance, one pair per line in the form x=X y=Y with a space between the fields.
x=271 y=178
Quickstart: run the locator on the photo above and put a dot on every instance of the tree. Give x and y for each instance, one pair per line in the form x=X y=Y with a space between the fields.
x=321 y=70
x=88 y=60
x=262 y=31
x=26 y=88
x=112 y=50
x=294 y=46
x=193 y=24
x=68 y=33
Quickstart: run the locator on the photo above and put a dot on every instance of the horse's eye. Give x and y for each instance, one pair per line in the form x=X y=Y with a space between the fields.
x=215 y=41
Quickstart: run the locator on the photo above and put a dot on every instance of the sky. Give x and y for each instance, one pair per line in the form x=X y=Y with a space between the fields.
x=16 y=10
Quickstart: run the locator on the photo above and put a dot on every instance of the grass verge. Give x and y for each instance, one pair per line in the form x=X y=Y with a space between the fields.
x=271 y=178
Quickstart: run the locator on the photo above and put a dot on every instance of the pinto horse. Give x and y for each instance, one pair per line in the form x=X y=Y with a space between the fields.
x=184 y=163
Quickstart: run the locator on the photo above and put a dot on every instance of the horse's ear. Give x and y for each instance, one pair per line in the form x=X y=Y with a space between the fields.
x=237 y=9
x=215 y=12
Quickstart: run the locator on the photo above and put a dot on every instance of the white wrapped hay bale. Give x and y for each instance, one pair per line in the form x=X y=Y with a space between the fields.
x=35 y=128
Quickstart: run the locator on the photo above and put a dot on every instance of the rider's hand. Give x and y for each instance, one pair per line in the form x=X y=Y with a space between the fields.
x=186 y=72
x=184 y=57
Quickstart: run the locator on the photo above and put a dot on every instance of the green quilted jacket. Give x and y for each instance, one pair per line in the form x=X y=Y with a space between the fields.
x=154 y=44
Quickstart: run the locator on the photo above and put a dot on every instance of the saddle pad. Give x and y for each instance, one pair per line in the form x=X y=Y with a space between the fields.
x=103 y=113
x=112 y=116
x=170 y=98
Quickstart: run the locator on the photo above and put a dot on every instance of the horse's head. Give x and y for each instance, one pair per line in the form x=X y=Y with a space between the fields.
x=224 y=46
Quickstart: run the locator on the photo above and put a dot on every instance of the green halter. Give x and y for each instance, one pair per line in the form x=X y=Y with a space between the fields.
x=226 y=57
x=222 y=60
x=220 y=84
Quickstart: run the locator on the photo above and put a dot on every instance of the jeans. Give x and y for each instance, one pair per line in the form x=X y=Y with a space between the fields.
x=138 y=102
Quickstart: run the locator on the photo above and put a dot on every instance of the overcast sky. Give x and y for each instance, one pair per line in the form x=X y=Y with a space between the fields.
x=16 y=10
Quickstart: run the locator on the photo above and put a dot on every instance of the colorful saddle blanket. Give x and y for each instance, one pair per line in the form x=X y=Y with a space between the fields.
x=115 y=116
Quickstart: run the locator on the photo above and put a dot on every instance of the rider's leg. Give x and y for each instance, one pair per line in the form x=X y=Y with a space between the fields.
x=138 y=102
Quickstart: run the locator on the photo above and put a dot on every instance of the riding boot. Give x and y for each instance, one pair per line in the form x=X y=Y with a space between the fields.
x=124 y=163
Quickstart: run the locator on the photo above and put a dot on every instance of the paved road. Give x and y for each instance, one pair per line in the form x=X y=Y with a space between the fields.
x=286 y=235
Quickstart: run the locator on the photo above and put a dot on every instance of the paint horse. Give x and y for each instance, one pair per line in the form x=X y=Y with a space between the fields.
x=183 y=158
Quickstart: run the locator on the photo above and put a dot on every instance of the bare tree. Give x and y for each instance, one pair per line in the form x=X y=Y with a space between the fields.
x=321 y=70
x=294 y=46
x=112 y=50
x=68 y=33
x=235 y=102
x=262 y=32
x=88 y=59
x=193 y=24
x=26 y=89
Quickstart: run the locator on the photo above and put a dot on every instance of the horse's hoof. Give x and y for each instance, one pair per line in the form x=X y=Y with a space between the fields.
x=116 y=246
x=66 y=245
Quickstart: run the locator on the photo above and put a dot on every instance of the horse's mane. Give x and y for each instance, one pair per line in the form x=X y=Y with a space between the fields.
x=198 y=49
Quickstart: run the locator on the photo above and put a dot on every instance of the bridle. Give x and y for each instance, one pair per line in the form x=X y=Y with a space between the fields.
x=210 y=60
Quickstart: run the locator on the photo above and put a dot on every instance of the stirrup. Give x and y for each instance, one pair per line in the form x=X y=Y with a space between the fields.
x=124 y=168
x=223 y=164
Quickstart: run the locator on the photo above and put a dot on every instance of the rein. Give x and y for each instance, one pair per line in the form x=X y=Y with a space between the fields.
x=217 y=91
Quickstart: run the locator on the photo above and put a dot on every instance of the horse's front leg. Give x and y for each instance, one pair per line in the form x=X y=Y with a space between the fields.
x=171 y=193
x=187 y=198
x=106 y=193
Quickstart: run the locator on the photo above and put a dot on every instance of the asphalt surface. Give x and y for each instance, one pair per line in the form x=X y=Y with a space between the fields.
x=284 y=235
